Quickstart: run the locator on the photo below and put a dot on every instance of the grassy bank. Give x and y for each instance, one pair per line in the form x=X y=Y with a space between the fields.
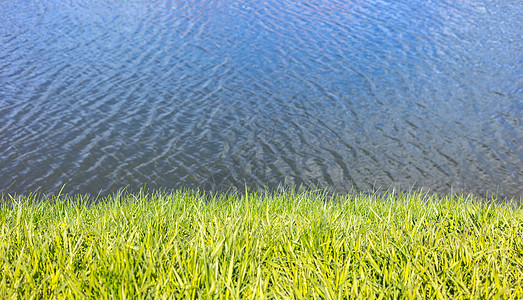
x=185 y=245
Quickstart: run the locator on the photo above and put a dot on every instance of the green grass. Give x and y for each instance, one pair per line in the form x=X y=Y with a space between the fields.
x=290 y=245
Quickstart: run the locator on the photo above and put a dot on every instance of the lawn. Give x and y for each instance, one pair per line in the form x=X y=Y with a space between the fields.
x=300 y=245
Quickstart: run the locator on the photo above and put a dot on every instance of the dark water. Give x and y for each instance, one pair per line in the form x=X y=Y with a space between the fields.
x=226 y=94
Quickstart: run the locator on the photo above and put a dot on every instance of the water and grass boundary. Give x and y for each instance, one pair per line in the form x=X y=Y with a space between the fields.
x=300 y=245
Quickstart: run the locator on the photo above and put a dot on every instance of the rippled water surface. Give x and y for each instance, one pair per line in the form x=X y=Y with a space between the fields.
x=226 y=94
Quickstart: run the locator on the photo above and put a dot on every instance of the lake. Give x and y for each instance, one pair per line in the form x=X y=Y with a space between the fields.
x=219 y=95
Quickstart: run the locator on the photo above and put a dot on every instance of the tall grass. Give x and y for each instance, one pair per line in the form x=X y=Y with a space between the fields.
x=186 y=244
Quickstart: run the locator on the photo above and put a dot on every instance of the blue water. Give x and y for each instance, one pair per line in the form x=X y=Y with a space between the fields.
x=341 y=95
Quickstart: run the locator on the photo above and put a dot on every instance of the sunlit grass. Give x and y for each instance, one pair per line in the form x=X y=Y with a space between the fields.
x=288 y=245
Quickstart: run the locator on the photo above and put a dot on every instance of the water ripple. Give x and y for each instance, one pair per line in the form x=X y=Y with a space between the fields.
x=325 y=94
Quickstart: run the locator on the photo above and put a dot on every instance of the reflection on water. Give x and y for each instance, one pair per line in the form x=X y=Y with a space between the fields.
x=227 y=94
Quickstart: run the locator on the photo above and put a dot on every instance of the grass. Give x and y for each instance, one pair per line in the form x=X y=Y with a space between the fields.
x=186 y=244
